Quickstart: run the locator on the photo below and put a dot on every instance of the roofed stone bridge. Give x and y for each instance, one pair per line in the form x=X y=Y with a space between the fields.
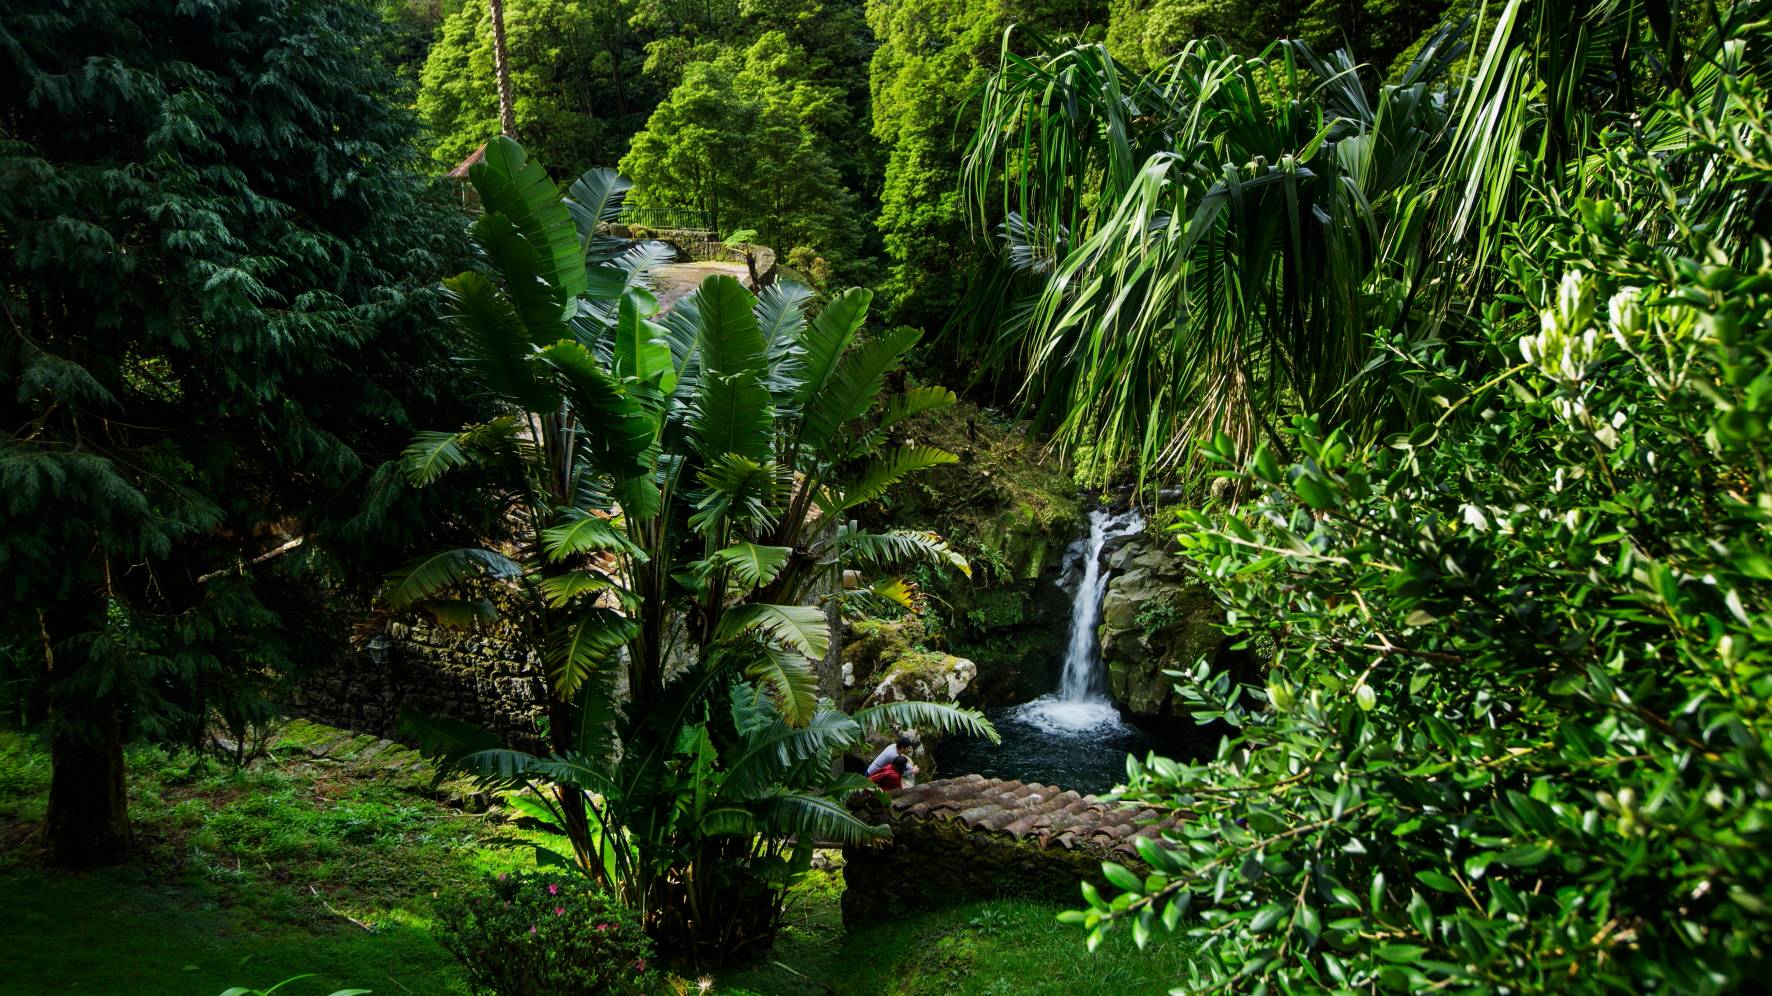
x=973 y=837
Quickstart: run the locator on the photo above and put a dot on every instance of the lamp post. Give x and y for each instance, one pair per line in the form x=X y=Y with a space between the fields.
x=379 y=648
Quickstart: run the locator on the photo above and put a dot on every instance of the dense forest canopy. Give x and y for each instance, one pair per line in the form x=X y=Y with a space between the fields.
x=210 y=356
x=1418 y=355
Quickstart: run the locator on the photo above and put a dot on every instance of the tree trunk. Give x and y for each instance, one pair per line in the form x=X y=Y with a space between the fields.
x=88 y=802
x=88 y=820
x=501 y=64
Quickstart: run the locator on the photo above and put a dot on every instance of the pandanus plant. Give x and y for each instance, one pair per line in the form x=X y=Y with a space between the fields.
x=679 y=490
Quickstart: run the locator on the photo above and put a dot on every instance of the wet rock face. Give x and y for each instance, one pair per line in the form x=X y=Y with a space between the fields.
x=1154 y=618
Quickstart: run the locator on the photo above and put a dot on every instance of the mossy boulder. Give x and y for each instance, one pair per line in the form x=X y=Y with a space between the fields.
x=1155 y=618
x=884 y=660
x=923 y=676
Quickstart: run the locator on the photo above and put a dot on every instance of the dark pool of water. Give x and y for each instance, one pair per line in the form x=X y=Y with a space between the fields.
x=1073 y=745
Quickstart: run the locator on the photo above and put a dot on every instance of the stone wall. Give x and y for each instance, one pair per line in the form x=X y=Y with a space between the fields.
x=482 y=678
x=965 y=838
x=701 y=245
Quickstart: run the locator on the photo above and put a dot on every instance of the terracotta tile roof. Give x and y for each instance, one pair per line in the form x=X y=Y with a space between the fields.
x=460 y=172
x=1045 y=814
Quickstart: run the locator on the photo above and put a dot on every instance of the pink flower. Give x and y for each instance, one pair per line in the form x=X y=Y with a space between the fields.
x=501 y=876
x=602 y=926
x=559 y=910
x=532 y=928
x=553 y=889
x=640 y=965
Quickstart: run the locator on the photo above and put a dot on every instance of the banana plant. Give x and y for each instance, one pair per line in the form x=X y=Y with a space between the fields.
x=679 y=491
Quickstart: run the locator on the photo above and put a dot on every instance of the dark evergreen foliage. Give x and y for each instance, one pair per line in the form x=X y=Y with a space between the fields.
x=217 y=275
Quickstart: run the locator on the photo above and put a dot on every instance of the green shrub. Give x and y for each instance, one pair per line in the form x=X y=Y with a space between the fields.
x=547 y=935
x=1515 y=736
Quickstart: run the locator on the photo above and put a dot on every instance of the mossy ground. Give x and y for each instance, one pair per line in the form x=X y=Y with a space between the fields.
x=331 y=865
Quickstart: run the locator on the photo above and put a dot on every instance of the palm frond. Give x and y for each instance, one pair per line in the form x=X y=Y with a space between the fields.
x=801 y=627
x=753 y=565
x=437 y=572
x=925 y=716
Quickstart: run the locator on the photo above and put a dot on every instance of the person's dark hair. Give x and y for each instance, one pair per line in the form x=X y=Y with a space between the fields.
x=899 y=763
x=904 y=741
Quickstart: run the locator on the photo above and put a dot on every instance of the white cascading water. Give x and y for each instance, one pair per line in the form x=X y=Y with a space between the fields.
x=1081 y=702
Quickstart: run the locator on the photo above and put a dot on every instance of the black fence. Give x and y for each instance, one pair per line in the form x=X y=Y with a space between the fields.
x=668 y=218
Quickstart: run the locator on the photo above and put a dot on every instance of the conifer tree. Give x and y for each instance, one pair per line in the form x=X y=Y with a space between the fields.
x=216 y=287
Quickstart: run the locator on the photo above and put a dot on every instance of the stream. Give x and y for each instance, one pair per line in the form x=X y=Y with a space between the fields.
x=1073 y=737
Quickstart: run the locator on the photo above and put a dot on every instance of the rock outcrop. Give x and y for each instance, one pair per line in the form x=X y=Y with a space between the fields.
x=1154 y=618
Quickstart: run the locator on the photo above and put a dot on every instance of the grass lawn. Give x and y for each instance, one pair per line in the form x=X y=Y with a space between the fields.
x=326 y=856
x=999 y=946
x=245 y=877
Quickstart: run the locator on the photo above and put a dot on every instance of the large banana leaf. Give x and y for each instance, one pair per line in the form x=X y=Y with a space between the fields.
x=586 y=534
x=496 y=344
x=925 y=716
x=814 y=817
x=512 y=185
x=732 y=414
x=618 y=428
x=888 y=469
x=764 y=759
x=456 y=746
x=824 y=343
x=540 y=303
x=739 y=489
x=852 y=389
x=753 y=565
x=640 y=349
x=587 y=645
x=430 y=455
x=728 y=340
x=596 y=197
x=789 y=677
x=895 y=550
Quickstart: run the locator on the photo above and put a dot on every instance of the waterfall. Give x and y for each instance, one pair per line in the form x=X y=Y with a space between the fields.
x=1083 y=680
x=1081 y=703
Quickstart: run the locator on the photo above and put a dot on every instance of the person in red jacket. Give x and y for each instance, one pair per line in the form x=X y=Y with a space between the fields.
x=892 y=775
